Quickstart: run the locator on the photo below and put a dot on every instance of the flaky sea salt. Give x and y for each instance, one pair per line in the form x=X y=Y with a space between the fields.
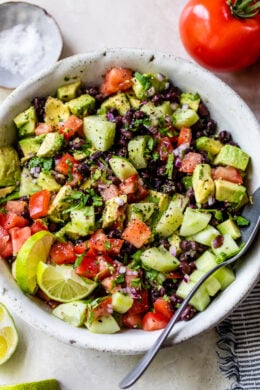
x=20 y=48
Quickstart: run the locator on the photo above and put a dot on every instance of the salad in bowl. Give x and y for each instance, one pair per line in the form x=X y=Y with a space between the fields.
x=121 y=186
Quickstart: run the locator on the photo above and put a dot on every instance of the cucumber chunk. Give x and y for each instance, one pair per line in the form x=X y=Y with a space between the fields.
x=159 y=259
x=227 y=249
x=136 y=152
x=122 y=168
x=205 y=236
x=99 y=131
x=121 y=303
x=193 y=222
x=200 y=299
x=104 y=325
x=74 y=313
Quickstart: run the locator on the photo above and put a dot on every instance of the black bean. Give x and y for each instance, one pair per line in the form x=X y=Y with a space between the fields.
x=188 y=313
x=203 y=110
x=59 y=177
x=84 y=170
x=224 y=136
x=218 y=241
x=39 y=105
x=156 y=292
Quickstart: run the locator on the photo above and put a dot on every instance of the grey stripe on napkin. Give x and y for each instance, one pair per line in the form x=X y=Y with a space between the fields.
x=239 y=344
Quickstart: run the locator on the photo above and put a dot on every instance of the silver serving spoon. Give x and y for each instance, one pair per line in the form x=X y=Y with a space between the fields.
x=252 y=213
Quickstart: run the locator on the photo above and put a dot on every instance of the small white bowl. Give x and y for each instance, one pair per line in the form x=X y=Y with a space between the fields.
x=30 y=40
x=230 y=112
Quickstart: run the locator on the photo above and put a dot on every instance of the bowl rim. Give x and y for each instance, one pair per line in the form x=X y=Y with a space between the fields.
x=130 y=341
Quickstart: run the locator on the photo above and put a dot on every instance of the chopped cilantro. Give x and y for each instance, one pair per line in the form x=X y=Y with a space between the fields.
x=143 y=80
x=45 y=163
x=169 y=166
x=241 y=221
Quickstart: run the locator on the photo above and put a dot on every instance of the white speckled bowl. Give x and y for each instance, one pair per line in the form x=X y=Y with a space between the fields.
x=226 y=108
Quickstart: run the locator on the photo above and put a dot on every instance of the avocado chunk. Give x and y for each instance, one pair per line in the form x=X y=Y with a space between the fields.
x=160 y=199
x=52 y=144
x=82 y=223
x=233 y=156
x=30 y=146
x=110 y=212
x=157 y=113
x=190 y=99
x=148 y=84
x=202 y=183
x=184 y=117
x=134 y=102
x=10 y=171
x=159 y=259
x=229 y=226
x=56 y=112
x=27 y=184
x=118 y=101
x=47 y=182
x=26 y=122
x=82 y=106
x=141 y=210
x=230 y=192
x=172 y=218
x=6 y=191
x=175 y=244
x=136 y=152
x=209 y=145
x=57 y=209
x=99 y=131
x=122 y=168
x=68 y=91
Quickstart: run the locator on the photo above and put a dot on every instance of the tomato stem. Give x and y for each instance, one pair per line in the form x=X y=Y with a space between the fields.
x=244 y=8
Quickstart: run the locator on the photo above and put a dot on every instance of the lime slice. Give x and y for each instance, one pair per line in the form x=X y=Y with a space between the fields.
x=34 y=250
x=47 y=384
x=8 y=335
x=61 y=283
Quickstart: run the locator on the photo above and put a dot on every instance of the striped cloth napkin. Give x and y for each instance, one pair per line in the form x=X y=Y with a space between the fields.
x=238 y=347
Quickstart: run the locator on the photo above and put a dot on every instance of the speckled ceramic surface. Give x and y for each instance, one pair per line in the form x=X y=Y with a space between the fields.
x=226 y=108
x=30 y=40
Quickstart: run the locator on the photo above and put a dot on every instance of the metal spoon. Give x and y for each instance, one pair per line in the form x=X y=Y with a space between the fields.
x=252 y=213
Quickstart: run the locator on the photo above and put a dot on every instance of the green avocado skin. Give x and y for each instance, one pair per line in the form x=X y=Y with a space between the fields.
x=10 y=170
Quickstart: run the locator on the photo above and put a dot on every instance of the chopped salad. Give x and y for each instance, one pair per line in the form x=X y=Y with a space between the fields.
x=118 y=198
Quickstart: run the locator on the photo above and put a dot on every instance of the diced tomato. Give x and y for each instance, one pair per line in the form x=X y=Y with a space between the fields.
x=190 y=161
x=137 y=233
x=80 y=248
x=97 y=241
x=133 y=188
x=37 y=226
x=104 y=308
x=44 y=128
x=39 y=204
x=95 y=266
x=140 y=304
x=89 y=266
x=109 y=284
x=227 y=173
x=16 y=206
x=154 y=321
x=164 y=307
x=100 y=243
x=6 y=248
x=110 y=192
x=71 y=126
x=62 y=253
x=18 y=237
x=65 y=164
x=164 y=148
x=132 y=320
x=185 y=136
x=116 y=79
x=10 y=220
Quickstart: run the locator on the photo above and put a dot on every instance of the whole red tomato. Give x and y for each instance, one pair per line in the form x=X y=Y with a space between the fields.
x=221 y=35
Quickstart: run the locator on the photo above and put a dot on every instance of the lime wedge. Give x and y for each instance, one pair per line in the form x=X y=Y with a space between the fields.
x=8 y=335
x=61 y=283
x=34 y=250
x=47 y=384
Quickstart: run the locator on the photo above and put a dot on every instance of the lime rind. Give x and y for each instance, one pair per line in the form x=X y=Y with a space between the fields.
x=61 y=283
x=8 y=335
x=34 y=250
x=47 y=384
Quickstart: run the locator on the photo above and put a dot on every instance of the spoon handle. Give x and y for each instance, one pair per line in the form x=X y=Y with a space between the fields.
x=144 y=363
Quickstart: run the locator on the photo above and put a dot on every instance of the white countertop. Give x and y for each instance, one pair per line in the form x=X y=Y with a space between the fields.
x=89 y=25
